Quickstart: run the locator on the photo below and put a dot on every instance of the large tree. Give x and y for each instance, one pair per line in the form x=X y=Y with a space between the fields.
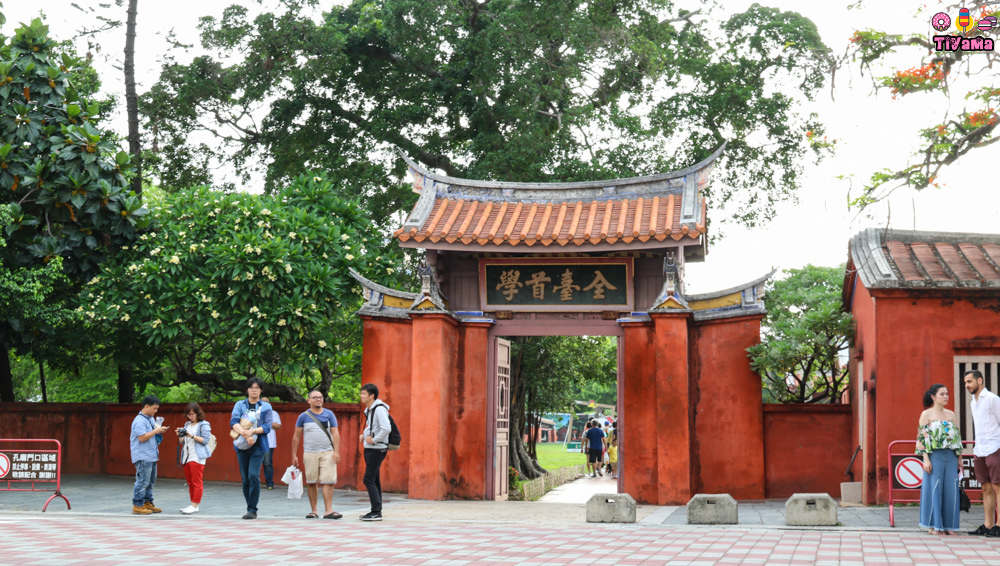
x=959 y=75
x=554 y=90
x=805 y=332
x=229 y=285
x=64 y=183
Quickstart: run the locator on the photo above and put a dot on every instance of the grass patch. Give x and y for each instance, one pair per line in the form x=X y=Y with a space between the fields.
x=552 y=456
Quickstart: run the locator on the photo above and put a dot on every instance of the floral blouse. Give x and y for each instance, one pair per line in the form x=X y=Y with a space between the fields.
x=938 y=435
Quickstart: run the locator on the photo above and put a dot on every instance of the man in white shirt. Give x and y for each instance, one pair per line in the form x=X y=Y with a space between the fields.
x=272 y=441
x=986 y=418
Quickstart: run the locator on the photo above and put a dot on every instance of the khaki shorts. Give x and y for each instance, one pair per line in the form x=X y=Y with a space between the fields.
x=320 y=467
x=987 y=468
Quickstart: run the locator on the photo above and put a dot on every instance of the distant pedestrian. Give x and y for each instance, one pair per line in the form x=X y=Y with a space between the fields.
x=251 y=420
x=595 y=447
x=194 y=437
x=144 y=446
x=613 y=450
x=985 y=407
x=940 y=443
x=375 y=439
x=317 y=427
x=272 y=442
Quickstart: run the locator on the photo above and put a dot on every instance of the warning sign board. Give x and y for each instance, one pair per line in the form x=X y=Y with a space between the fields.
x=908 y=472
x=28 y=465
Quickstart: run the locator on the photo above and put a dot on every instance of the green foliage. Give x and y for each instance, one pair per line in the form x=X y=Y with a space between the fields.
x=804 y=331
x=64 y=181
x=230 y=285
x=497 y=90
x=558 y=368
x=961 y=127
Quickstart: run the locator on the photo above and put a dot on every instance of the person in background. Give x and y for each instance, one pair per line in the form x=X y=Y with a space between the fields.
x=595 y=447
x=317 y=428
x=257 y=414
x=985 y=406
x=194 y=437
x=375 y=439
x=145 y=454
x=272 y=442
x=940 y=443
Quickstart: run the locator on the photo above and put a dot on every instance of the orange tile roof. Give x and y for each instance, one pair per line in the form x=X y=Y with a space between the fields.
x=463 y=213
x=899 y=258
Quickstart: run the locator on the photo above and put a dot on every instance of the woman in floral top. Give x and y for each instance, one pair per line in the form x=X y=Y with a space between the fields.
x=940 y=443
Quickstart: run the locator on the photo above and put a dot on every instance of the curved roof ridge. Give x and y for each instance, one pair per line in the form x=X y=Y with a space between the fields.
x=479 y=184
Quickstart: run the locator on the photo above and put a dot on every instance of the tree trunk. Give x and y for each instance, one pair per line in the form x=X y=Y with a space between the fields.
x=126 y=384
x=131 y=98
x=41 y=372
x=6 y=379
x=520 y=460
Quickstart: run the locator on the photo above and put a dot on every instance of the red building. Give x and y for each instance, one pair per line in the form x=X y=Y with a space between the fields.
x=927 y=309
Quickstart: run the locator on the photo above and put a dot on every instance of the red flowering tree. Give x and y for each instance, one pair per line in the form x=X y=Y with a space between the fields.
x=963 y=76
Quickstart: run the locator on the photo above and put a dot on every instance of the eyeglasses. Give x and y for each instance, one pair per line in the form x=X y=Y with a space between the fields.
x=315 y=396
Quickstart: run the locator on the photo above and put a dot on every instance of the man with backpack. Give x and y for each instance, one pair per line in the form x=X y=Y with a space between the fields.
x=375 y=439
x=321 y=452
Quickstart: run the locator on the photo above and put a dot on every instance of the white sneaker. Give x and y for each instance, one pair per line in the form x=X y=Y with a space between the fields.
x=189 y=509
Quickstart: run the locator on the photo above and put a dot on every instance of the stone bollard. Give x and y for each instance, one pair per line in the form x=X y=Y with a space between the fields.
x=712 y=509
x=811 y=510
x=611 y=508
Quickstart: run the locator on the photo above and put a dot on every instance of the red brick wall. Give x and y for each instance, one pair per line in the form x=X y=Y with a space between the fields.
x=728 y=445
x=806 y=449
x=95 y=437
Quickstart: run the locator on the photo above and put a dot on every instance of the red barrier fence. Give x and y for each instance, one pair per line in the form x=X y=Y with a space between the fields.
x=907 y=471
x=21 y=464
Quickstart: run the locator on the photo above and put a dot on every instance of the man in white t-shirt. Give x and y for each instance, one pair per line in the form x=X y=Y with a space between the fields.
x=272 y=441
x=317 y=428
x=985 y=407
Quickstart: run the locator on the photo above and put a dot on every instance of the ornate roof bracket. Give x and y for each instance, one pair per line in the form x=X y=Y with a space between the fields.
x=670 y=298
x=430 y=298
x=382 y=301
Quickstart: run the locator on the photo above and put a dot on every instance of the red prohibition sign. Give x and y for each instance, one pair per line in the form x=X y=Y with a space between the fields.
x=910 y=472
x=4 y=465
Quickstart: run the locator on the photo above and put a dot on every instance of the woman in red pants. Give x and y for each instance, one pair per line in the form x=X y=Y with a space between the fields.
x=194 y=437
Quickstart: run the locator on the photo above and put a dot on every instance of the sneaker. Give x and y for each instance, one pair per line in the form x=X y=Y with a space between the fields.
x=249 y=515
x=189 y=509
x=981 y=531
x=993 y=532
x=270 y=486
x=141 y=511
x=371 y=517
x=152 y=508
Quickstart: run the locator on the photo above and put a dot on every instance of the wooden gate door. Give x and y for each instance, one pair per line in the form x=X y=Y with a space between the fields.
x=501 y=454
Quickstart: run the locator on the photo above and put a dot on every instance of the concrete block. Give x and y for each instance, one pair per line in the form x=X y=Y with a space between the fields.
x=811 y=510
x=850 y=492
x=712 y=509
x=611 y=508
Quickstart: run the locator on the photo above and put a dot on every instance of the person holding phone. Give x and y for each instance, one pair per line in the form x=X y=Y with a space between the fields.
x=145 y=454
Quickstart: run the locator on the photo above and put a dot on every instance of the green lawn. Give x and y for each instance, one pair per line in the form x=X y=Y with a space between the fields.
x=552 y=456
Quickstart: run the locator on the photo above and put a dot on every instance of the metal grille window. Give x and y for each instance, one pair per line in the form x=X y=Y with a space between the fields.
x=990 y=367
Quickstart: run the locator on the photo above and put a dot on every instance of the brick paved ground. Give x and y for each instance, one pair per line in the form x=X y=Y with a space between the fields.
x=65 y=540
x=100 y=530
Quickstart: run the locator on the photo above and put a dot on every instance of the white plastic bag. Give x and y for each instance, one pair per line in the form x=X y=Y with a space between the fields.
x=293 y=478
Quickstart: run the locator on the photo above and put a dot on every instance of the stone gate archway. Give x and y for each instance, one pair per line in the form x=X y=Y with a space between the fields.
x=605 y=258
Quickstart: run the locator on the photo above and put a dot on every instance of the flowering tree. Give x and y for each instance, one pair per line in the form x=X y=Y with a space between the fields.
x=62 y=184
x=959 y=69
x=233 y=285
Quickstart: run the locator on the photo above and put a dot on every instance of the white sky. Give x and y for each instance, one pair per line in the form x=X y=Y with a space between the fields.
x=873 y=133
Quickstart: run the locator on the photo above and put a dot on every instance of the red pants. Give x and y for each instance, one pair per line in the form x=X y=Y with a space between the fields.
x=193 y=472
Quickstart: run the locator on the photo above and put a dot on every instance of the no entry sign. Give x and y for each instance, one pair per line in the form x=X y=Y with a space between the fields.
x=4 y=465
x=909 y=473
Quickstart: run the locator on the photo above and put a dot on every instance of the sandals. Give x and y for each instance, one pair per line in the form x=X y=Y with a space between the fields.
x=332 y=515
x=312 y=516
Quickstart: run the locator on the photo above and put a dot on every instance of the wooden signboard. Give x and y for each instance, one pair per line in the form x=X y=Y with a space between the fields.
x=556 y=284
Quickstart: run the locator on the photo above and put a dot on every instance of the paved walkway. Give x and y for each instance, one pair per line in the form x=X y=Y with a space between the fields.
x=101 y=530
